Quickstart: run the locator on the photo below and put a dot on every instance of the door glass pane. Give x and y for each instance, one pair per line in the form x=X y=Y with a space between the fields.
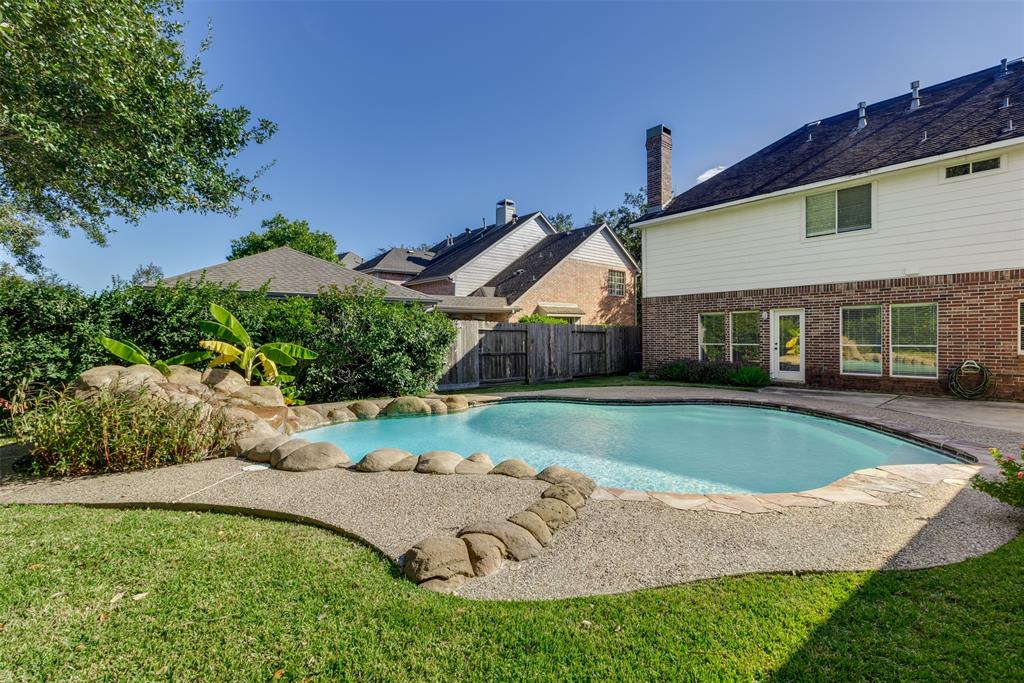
x=854 y=208
x=789 y=342
x=821 y=214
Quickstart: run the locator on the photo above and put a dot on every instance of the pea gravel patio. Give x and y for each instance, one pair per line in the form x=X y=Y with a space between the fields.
x=616 y=545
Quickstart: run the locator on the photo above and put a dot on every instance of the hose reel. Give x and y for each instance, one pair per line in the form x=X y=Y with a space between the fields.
x=970 y=380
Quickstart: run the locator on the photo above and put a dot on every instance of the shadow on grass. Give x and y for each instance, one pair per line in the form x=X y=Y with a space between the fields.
x=955 y=622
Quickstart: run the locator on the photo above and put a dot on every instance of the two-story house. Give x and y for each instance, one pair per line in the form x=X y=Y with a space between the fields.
x=874 y=249
x=524 y=266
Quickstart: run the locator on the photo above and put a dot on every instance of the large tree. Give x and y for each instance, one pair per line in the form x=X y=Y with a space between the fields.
x=102 y=114
x=282 y=232
x=619 y=219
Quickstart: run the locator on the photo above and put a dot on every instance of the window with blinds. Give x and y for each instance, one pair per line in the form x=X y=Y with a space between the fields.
x=616 y=283
x=838 y=211
x=914 y=336
x=712 y=336
x=861 y=340
x=745 y=333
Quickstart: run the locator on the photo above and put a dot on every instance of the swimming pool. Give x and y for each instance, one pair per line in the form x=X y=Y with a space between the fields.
x=696 y=448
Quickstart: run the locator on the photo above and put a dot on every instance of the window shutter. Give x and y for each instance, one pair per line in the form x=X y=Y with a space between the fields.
x=821 y=214
x=854 y=208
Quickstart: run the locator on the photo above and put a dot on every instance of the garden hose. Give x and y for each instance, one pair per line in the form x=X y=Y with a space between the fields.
x=972 y=390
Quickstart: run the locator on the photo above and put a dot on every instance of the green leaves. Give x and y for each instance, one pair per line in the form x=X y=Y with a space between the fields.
x=283 y=232
x=265 y=359
x=235 y=329
x=124 y=350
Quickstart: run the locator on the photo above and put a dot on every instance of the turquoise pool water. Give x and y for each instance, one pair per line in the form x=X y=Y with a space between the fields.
x=684 y=448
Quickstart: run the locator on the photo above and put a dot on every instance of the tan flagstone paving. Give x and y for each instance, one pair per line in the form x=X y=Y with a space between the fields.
x=681 y=501
x=743 y=503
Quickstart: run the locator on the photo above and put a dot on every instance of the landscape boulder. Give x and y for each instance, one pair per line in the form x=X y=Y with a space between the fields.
x=437 y=406
x=438 y=557
x=276 y=416
x=364 y=410
x=97 y=378
x=341 y=414
x=456 y=403
x=261 y=450
x=486 y=553
x=407 y=405
x=224 y=381
x=407 y=464
x=565 y=493
x=438 y=462
x=305 y=418
x=556 y=474
x=449 y=585
x=270 y=397
x=514 y=468
x=320 y=455
x=520 y=543
x=382 y=460
x=471 y=466
x=534 y=524
x=555 y=513
x=182 y=374
x=286 y=449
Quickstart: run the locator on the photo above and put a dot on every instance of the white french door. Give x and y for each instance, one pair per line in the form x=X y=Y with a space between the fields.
x=787 y=330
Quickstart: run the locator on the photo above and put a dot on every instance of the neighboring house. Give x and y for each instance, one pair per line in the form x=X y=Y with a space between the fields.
x=874 y=249
x=520 y=265
x=349 y=259
x=288 y=272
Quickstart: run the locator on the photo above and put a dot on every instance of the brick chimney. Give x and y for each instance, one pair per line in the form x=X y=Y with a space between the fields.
x=659 y=167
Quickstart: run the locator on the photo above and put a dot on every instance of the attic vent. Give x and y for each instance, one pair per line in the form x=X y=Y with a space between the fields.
x=862 y=115
x=915 y=95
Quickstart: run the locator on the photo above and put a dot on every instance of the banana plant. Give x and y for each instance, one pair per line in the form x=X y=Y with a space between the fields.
x=129 y=352
x=232 y=344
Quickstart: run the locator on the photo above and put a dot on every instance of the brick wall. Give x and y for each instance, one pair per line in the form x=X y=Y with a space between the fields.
x=977 y=316
x=391 y=277
x=585 y=284
x=439 y=287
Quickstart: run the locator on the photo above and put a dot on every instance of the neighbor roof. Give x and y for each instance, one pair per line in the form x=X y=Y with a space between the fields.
x=465 y=248
x=525 y=271
x=956 y=115
x=397 y=260
x=349 y=259
x=474 y=304
x=292 y=272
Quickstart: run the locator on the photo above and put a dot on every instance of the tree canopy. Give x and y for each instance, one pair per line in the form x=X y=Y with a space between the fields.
x=282 y=232
x=103 y=115
x=619 y=219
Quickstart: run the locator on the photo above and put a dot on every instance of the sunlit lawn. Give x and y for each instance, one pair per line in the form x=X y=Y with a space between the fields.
x=90 y=594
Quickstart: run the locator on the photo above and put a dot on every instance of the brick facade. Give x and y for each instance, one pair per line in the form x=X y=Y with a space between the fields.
x=391 y=277
x=585 y=284
x=439 y=287
x=977 y=320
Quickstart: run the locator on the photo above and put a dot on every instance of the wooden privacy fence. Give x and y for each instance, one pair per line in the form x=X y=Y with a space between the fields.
x=514 y=353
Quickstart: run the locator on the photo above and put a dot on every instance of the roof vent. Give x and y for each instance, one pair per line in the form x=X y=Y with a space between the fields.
x=1006 y=103
x=862 y=115
x=1005 y=69
x=924 y=138
x=518 y=271
x=915 y=95
x=1009 y=127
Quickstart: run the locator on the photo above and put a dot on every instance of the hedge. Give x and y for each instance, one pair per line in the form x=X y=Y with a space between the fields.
x=366 y=346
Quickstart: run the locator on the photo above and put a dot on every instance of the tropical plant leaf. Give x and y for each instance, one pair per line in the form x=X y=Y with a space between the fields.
x=222 y=360
x=162 y=367
x=223 y=348
x=293 y=350
x=284 y=379
x=221 y=315
x=247 y=358
x=218 y=331
x=124 y=350
x=277 y=355
x=188 y=358
x=269 y=368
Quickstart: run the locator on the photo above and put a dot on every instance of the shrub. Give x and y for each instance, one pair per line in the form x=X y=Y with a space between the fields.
x=116 y=432
x=545 y=319
x=1010 y=489
x=698 y=372
x=749 y=376
x=369 y=347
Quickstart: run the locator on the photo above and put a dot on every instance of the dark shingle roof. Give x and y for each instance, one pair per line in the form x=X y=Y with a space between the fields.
x=473 y=304
x=465 y=248
x=292 y=272
x=349 y=259
x=526 y=270
x=957 y=115
x=397 y=260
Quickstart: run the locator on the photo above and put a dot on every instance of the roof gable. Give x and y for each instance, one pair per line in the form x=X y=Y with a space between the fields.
x=292 y=272
x=956 y=115
x=397 y=260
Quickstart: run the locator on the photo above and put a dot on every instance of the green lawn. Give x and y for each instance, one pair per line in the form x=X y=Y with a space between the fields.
x=90 y=594
x=588 y=382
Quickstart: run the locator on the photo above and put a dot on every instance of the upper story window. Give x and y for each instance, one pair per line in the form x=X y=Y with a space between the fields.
x=838 y=211
x=979 y=166
x=616 y=283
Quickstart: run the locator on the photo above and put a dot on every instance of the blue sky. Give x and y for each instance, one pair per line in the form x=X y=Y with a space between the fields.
x=400 y=123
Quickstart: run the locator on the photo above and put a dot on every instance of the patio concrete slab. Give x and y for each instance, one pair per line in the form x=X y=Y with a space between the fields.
x=993 y=414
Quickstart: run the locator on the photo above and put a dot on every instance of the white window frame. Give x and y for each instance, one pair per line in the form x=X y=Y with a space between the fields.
x=700 y=335
x=1003 y=161
x=732 y=327
x=623 y=283
x=1020 y=327
x=892 y=360
x=881 y=346
x=839 y=235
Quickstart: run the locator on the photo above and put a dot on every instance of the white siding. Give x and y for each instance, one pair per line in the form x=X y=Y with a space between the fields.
x=488 y=264
x=923 y=225
x=600 y=248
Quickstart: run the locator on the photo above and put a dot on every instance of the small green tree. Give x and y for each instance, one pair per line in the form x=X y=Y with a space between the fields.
x=282 y=232
x=561 y=221
x=102 y=114
x=620 y=220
